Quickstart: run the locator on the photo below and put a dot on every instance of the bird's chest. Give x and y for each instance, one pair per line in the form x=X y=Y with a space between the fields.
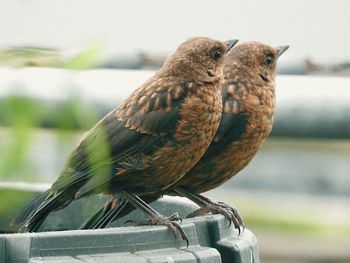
x=200 y=116
x=200 y=119
x=259 y=124
x=260 y=115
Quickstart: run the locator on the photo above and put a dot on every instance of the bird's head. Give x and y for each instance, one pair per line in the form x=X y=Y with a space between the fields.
x=198 y=59
x=257 y=57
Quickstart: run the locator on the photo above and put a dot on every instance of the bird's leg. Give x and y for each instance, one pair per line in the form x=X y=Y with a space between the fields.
x=156 y=218
x=208 y=205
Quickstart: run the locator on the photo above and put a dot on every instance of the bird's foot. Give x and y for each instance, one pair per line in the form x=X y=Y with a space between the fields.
x=172 y=222
x=230 y=213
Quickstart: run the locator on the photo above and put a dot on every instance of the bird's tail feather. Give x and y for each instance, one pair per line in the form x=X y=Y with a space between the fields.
x=29 y=209
x=111 y=212
x=92 y=221
x=113 y=209
x=33 y=215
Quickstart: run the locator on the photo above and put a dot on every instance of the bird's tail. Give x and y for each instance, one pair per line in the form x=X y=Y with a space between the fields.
x=112 y=210
x=34 y=214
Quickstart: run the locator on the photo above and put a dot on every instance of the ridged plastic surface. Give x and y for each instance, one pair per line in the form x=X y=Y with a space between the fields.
x=210 y=237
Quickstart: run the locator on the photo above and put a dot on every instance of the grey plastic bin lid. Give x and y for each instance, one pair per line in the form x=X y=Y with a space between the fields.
x=210 y=237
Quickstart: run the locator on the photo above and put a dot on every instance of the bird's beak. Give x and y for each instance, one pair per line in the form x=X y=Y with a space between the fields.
x=231 y=43
x=280 y=50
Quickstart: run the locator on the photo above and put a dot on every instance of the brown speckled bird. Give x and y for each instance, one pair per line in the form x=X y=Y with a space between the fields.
x=248 y=94
x=150 y=141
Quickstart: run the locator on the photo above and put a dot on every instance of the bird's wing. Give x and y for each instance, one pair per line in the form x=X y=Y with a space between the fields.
x=136 y=128
x=233 y=119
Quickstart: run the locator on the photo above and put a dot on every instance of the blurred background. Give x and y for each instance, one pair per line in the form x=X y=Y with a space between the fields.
x=64 y=64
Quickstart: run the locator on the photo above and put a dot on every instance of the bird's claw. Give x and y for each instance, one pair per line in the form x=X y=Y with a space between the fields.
x=172 y=222
x=175 y=217
x=235 y=217
x=230 y=213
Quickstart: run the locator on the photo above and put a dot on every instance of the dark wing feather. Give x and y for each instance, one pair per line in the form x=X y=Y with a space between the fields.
x=138 y=127
x=232 y=128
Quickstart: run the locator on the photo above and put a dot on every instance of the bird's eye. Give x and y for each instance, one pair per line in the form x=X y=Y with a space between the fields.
x=217 y=54
x=269 y=59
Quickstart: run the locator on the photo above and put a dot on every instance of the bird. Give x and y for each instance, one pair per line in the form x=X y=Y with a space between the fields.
x=146 y=144
x=248 y=101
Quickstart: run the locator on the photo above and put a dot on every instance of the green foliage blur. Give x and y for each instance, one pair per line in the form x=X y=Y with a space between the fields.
x=20 y=116
x=49 y=57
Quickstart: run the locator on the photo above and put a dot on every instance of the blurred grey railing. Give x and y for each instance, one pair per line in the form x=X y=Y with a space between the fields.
x=307 y=106
x=312 y=107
